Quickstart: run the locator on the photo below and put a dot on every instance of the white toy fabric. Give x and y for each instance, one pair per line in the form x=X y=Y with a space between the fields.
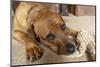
x=87 y=44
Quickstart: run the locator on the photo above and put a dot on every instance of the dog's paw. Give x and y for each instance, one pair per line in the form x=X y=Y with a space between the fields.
x=33 y=52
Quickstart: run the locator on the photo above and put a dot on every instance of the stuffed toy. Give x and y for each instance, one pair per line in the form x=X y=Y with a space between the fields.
x=87 y=45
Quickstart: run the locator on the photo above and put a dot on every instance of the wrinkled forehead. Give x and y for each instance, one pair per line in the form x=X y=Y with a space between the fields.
x=47 y=25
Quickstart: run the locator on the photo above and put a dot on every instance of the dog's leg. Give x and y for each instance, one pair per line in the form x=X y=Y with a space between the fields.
x=33 y=52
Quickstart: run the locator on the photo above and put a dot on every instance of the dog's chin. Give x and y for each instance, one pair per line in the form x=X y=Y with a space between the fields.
x=74 y=54
x=68 y=53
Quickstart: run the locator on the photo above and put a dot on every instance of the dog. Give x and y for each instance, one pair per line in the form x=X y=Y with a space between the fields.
x=36 y=24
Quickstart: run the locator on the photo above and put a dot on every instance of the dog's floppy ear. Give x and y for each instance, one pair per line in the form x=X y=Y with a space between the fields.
x=30 y=20
x=33 y=35
x=33 y=12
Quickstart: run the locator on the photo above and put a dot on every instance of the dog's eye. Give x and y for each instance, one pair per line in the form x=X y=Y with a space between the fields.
x=63 y=26
x=50 y=37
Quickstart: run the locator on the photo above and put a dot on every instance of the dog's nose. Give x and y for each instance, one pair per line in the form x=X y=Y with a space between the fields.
x=70 y=48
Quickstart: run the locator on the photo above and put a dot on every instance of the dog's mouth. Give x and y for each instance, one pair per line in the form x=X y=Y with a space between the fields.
x=70 y=51
x=69 y=48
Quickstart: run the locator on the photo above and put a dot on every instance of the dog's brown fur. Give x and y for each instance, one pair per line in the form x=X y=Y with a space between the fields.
x=33 y=22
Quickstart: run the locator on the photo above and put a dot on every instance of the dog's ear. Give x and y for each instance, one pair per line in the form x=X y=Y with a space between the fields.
x=33 y=35
x=30 y=20
x=33 y=12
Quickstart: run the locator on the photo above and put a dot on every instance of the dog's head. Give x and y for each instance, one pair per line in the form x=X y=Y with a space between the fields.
x=50 y=29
